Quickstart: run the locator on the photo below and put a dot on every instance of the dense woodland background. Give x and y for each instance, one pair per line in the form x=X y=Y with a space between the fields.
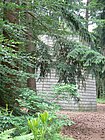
x=23 y=53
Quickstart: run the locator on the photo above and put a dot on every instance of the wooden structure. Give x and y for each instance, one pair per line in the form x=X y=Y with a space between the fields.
x=87 y=94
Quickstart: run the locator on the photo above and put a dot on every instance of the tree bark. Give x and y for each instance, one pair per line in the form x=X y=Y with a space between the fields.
x=12 y=16
x=31 y=82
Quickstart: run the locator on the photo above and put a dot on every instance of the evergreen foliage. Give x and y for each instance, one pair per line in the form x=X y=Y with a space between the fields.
x=55 y=19
x=23 y=53
x=97 y=8
x=33 y=19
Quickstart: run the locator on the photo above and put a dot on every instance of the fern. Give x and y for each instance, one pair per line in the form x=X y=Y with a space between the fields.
x=7 y=134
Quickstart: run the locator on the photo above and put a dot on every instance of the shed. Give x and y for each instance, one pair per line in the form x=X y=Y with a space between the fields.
x=87 y=94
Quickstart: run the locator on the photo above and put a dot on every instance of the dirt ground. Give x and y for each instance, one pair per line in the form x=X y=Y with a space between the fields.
x=89 y=125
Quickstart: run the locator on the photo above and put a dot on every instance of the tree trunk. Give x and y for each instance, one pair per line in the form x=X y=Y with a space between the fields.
x=12 y=17
x=31 y=82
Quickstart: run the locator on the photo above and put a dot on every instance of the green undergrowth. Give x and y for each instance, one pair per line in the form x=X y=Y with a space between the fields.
x=7 y=135
x=44 y=126
x=101 y=100
x=39 y=121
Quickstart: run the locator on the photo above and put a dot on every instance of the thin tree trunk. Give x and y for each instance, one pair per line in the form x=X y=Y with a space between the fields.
x=31 y=82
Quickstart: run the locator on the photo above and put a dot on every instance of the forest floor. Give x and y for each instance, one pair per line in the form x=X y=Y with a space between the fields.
x=89 y=125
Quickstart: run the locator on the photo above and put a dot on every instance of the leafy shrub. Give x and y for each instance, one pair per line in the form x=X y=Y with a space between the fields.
x=39 y=126
x=46 y=126
x=8 y=121
x=31 y=102
x=7 y=134
x=5 y=121
x=69 y=89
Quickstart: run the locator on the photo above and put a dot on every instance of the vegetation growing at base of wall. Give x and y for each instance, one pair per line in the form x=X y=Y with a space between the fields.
x=22 y=53
x=101 y=100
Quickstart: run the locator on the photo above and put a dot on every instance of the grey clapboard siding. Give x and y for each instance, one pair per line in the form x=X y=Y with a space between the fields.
x=87 y=94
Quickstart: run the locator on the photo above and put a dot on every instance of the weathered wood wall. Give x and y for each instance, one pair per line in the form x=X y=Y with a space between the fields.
x=87 y=94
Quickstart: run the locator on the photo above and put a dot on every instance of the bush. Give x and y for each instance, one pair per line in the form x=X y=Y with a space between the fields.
x=47 y=126
x=32 y=103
